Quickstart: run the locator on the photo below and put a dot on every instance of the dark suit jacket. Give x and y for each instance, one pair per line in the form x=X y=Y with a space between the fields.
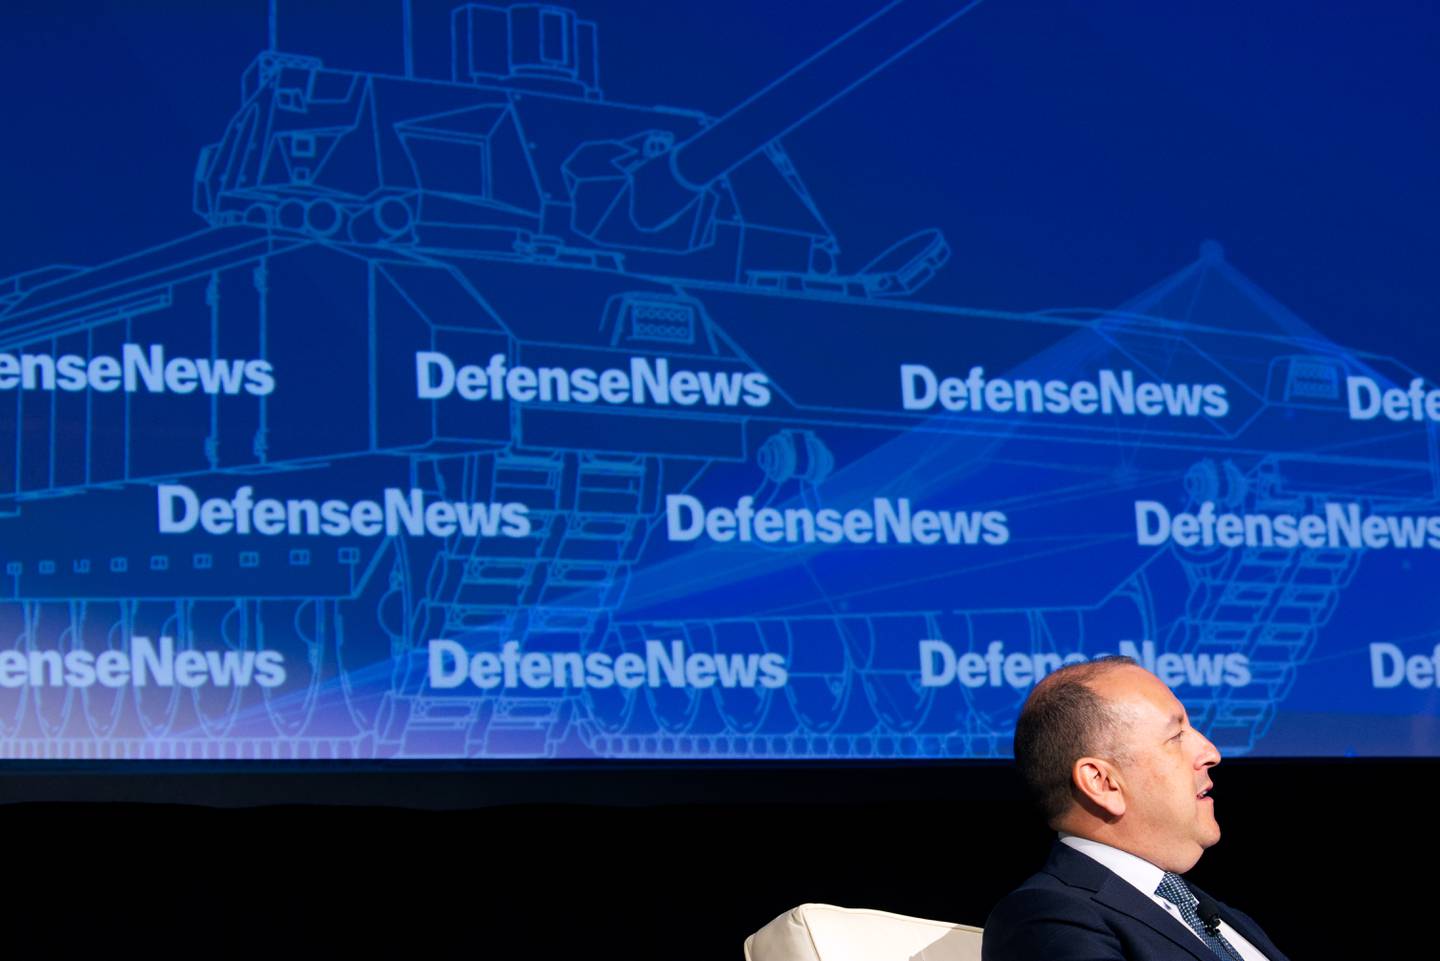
x=1076 y=909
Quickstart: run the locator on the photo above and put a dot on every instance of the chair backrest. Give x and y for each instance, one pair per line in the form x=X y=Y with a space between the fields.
x=823 y=932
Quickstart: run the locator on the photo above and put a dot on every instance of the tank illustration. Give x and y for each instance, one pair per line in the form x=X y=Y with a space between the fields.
x=477 y=408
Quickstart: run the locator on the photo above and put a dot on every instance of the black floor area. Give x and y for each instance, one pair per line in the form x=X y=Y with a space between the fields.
x=538 y=862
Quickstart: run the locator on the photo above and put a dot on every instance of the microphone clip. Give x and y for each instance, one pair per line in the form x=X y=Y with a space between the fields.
x=1209 y=916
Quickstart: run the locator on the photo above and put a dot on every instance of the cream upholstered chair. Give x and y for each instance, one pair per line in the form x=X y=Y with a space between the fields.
x=823 y=932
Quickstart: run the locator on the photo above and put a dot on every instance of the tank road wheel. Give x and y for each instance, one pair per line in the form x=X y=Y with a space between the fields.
x=823 y=684
x=615 y=710
x=303 y=632
x=891 y=686
x=14 y=701
x=372 y=634
x=100 y=626
x=156 y=706
x=681 y=710
x=747 y=709
x=50 y=637
x=222 y=628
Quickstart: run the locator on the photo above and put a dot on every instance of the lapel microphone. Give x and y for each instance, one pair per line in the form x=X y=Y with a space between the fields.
x=1210 y=918
x=1209 y=915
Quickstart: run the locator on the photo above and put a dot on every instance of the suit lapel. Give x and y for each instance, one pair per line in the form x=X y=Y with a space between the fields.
x=1118 y=894
x=1114 y=892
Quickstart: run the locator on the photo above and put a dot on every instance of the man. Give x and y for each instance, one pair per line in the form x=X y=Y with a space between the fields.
x=1118 y=771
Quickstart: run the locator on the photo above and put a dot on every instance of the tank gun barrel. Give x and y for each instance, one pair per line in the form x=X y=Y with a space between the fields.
x=666 y=183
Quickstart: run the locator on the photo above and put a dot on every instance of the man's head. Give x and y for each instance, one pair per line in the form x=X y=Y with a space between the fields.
x=1110 y=755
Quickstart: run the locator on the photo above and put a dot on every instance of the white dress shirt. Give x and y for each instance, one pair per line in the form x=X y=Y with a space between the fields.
x=1145 y=878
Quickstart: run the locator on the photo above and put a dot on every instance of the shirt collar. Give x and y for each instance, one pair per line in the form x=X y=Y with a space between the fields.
x=1135 y=871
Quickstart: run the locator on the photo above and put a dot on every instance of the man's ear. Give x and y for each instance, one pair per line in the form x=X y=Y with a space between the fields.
x=1100 y=785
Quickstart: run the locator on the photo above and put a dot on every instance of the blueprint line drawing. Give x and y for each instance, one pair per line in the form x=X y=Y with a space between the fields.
x=483 y=415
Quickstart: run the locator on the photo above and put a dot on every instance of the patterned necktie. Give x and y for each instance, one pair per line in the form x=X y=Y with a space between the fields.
x=1173 y=889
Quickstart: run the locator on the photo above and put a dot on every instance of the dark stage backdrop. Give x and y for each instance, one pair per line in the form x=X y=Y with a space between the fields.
x=691 y=381
x=673 y=864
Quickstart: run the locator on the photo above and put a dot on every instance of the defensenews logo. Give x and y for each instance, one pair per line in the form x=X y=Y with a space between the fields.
x=1341 y=526
x=662 y=665
x=643 y=381
x=1111 y=392
x=941 y=664
x=145 y=663
x=882 y=521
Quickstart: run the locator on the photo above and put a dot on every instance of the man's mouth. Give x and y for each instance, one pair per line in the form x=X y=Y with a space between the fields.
x=1205 y=793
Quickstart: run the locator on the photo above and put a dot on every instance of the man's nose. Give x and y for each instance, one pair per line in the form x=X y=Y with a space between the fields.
x=1209 y=755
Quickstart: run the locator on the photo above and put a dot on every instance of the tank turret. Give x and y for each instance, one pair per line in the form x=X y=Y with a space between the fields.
x=492 y=161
